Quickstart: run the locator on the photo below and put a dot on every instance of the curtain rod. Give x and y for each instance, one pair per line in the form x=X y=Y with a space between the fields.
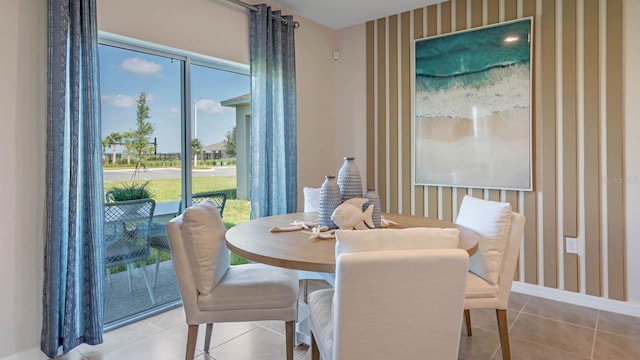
x=256 y=9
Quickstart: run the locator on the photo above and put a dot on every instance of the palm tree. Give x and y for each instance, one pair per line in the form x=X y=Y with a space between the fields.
x=112 y=140
x=196 y=147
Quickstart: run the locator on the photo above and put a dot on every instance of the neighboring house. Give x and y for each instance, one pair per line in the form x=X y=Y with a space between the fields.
x=242 y=104
x=213 y=152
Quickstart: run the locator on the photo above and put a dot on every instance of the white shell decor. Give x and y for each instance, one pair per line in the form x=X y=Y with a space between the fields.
x=349 y=215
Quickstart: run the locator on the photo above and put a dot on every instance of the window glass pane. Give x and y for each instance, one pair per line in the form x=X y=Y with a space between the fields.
x=220 y=107
x=143 y=107
x=141 y=127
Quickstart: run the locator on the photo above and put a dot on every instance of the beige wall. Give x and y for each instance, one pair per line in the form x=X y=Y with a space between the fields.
x=209 y=27
x=632 y=145
x=22 y=145
x=350 y=98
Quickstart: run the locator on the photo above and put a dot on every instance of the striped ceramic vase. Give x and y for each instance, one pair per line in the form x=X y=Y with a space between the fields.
x=330 y=199
x=349 y=180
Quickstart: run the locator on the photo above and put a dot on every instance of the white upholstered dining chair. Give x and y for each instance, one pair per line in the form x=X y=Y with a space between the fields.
x=311 y=204
x=492 y=267
x=395 y=297
x=213 y=291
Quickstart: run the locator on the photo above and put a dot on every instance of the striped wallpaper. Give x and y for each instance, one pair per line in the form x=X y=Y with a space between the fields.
x=577 y=132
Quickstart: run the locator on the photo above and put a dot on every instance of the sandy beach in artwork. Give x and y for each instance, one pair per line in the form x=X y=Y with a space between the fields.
x=485 y=151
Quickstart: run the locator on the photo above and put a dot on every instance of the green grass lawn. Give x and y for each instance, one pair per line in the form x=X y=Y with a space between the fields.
x=235 y=211
x=170 y=189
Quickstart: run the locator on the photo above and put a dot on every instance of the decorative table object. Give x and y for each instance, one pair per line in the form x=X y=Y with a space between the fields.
x=349 y=180
x=374 y=200
x=349 y=215
x=330 y=199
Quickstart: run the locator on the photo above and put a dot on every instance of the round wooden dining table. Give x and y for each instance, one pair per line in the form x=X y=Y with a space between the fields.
x=296 y=250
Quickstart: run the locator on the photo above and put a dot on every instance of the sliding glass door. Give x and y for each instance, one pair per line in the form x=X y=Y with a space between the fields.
x=166 y=135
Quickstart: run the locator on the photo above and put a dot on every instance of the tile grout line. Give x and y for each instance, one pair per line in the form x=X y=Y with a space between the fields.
x=543 y=317
x=595 y=332
x=560 y=321
x=231 y=339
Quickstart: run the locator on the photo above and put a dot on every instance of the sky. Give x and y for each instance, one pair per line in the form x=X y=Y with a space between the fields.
x=124 y=74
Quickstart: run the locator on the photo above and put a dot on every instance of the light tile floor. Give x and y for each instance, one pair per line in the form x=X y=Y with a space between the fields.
x=538 y=329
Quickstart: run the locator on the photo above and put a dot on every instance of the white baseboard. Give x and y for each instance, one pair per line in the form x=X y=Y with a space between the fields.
x=616 y=306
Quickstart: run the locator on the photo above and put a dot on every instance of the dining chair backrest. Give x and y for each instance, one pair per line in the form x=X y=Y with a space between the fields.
x=510 y=260
x=184 y=275
x=399 y=304
x=199 y=252
x=311 y=199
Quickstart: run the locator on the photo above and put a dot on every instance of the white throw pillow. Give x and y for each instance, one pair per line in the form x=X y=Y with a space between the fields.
x=204 y=240
x=311 y=199
x=395 y=239
x=491 y=220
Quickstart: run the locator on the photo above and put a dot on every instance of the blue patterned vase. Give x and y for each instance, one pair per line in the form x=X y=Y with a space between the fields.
x=349 y=180
x=330 y=199
x=374 y=200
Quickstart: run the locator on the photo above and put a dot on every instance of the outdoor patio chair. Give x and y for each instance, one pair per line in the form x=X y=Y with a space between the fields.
x=158 y=239
x=399 y=295
x=126 y=231
x=214 y=291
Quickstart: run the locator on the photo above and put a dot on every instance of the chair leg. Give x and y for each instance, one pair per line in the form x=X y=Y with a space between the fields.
x=192 y=336
x=467 y=321
x=315 y=352
x=207 y=337
x=503 y=330
x=289 y=334
x=155 y=275
x=129 y=276
x=146 y=281
x=305 y=291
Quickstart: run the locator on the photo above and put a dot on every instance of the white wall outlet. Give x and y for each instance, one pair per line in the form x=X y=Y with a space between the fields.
x=336 y=54
x=571 y=245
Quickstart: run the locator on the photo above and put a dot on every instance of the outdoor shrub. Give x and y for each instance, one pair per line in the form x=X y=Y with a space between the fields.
x=129 y=191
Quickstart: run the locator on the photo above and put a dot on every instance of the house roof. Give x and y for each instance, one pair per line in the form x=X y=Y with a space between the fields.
x=238 y=100
x=214 y=147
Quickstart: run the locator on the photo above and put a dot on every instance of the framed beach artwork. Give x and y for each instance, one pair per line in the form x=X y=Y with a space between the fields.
x=472 y=125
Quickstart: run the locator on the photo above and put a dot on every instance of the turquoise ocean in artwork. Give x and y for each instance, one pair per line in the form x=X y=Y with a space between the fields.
x=474 y=69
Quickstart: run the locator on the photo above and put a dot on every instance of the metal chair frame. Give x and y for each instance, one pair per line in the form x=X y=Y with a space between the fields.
x=126 y=231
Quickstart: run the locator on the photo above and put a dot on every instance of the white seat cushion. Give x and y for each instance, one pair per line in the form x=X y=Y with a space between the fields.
x=252 y=286
x=491 y=220
x=321 y=318
x=477 y=287
x=203 y=233
x=396 y=239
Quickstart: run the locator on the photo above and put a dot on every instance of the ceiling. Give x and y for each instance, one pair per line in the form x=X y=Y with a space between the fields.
x=338 y=14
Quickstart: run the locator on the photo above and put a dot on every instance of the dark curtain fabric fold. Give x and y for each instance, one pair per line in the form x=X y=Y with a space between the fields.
x=273 y=174
x=73 y=301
